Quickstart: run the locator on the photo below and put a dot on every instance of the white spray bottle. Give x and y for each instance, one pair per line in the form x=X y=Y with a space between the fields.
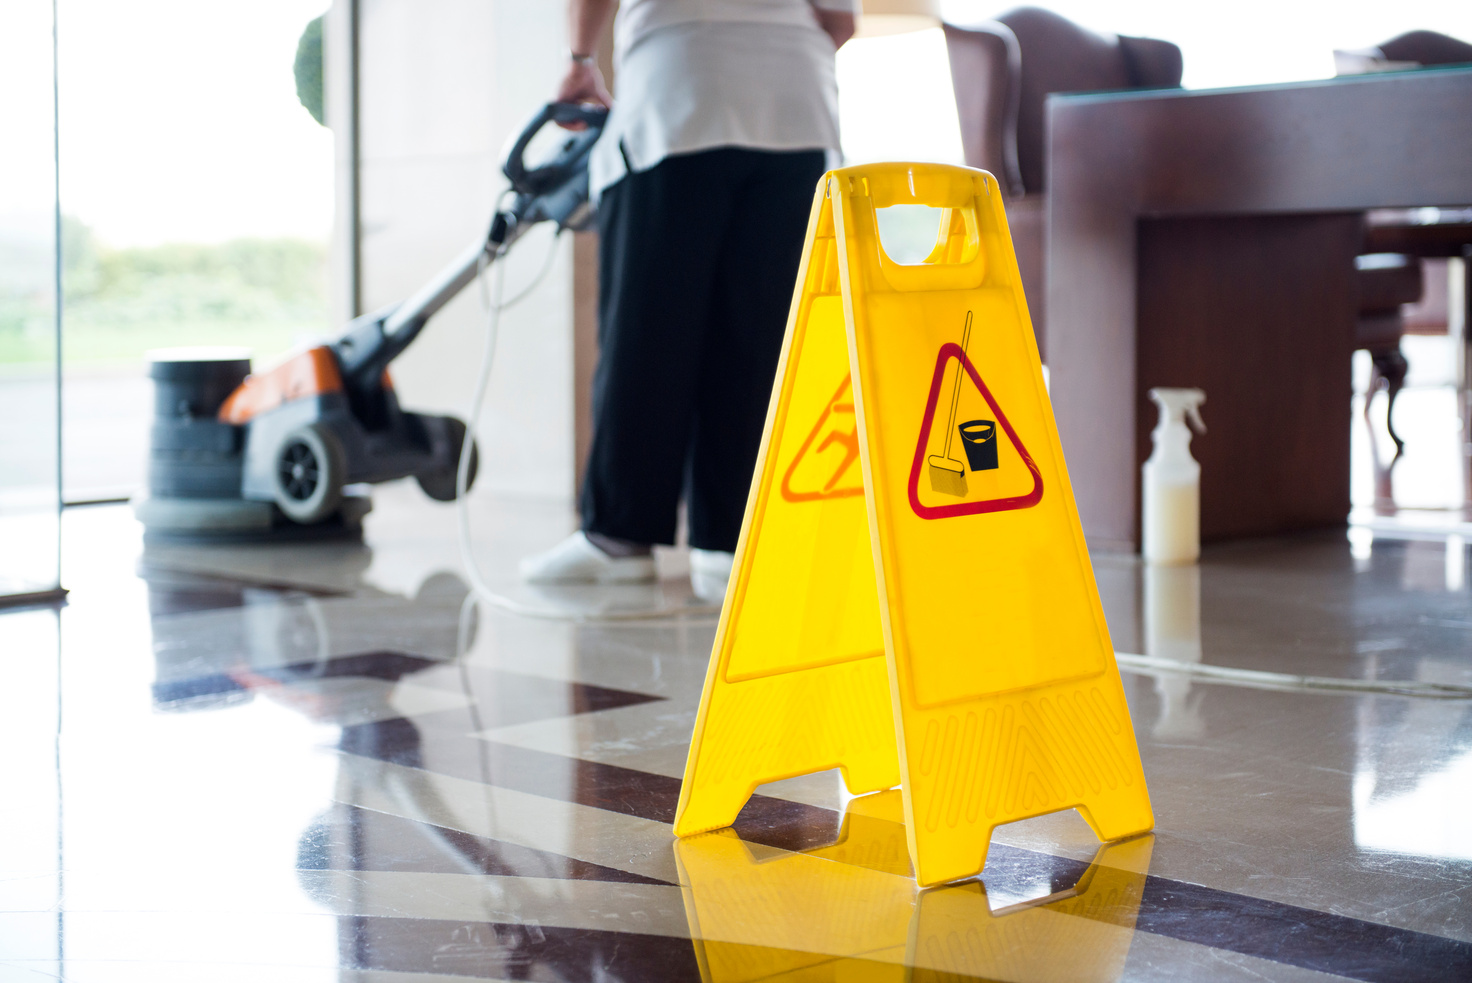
x=1171 y=481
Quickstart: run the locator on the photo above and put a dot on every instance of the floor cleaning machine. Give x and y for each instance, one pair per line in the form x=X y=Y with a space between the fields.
x=234 y=454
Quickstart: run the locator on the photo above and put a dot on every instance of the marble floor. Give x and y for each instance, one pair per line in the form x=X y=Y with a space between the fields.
x=314 y=761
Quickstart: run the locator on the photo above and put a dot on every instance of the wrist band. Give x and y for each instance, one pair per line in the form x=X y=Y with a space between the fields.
x=580 y=58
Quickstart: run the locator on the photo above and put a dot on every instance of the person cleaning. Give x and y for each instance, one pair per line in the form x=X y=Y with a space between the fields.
x=726 y=119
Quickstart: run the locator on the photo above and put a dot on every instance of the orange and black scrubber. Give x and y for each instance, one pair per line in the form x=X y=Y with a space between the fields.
x=236 y=454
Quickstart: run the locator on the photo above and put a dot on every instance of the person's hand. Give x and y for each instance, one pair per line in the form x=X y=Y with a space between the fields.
x=837 y=24
x=583 y=83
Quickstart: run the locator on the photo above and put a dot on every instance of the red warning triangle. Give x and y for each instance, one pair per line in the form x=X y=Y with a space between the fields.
x=957 y=468
x=828 y=467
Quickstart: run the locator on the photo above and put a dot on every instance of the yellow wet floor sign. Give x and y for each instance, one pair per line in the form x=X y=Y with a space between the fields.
x=912 y=600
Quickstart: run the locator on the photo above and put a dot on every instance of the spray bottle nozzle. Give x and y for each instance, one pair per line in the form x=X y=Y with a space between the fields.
x=1180 y=404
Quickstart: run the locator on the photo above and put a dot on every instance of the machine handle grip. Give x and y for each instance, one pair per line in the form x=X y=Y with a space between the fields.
x=529 y=181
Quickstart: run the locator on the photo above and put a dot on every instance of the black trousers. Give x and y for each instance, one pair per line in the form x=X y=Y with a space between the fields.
x=697 y=258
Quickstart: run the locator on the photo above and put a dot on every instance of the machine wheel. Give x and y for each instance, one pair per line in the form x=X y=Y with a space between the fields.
x=440 y=485
x=307 y=473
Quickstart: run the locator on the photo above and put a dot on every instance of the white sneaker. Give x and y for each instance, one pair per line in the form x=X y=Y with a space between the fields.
x=710 y=571
x=575 y=560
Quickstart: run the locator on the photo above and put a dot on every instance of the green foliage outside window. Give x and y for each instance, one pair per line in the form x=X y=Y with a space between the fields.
x=308 y=69
x=264 y=294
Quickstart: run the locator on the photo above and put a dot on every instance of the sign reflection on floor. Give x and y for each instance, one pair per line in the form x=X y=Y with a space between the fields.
x=851 y=911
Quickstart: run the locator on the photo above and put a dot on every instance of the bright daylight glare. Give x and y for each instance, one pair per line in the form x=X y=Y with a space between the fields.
x=180 y=121
x=896 y=91
x=197 y=192
x=196 y=189
x=897 y=102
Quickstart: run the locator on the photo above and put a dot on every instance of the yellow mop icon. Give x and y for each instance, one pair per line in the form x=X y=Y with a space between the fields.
x=945 y=638
x=947 y=475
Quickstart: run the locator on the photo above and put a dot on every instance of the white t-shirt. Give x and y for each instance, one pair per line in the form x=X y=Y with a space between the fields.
x=697 y=74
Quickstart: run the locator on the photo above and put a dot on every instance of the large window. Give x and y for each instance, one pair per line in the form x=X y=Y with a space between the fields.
x=196 y=193
x=29 y=505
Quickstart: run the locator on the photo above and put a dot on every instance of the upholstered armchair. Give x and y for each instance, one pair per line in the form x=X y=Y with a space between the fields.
x=1003 y=71
x=1390 y=273
x=1386 y=282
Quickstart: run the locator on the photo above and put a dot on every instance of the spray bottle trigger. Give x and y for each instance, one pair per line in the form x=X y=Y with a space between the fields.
x=1193 y=414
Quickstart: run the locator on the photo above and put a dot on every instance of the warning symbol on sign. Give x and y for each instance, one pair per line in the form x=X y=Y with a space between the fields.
x=968 y=452
x=827 y=462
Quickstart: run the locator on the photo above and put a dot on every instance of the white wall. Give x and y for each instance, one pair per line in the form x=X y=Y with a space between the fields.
x=443 y=85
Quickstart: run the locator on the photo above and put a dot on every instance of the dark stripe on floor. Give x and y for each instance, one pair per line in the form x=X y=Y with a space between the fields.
x=641 y=794
x=1269 y=930
x=442 y=743
x=1300 y=937
x=501 y=698
x=185 y=592
x=349 y=838
x=493 y=950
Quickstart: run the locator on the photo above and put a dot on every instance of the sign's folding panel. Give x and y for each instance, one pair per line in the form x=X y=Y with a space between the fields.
x=912 y=600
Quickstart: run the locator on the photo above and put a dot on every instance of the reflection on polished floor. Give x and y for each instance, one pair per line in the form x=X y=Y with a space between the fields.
x=313 y=762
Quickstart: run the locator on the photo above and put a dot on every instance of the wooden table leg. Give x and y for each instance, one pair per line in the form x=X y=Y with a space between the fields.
x=1464 y=381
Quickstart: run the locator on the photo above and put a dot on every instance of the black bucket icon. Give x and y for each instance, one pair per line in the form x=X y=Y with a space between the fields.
x=979 y=437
